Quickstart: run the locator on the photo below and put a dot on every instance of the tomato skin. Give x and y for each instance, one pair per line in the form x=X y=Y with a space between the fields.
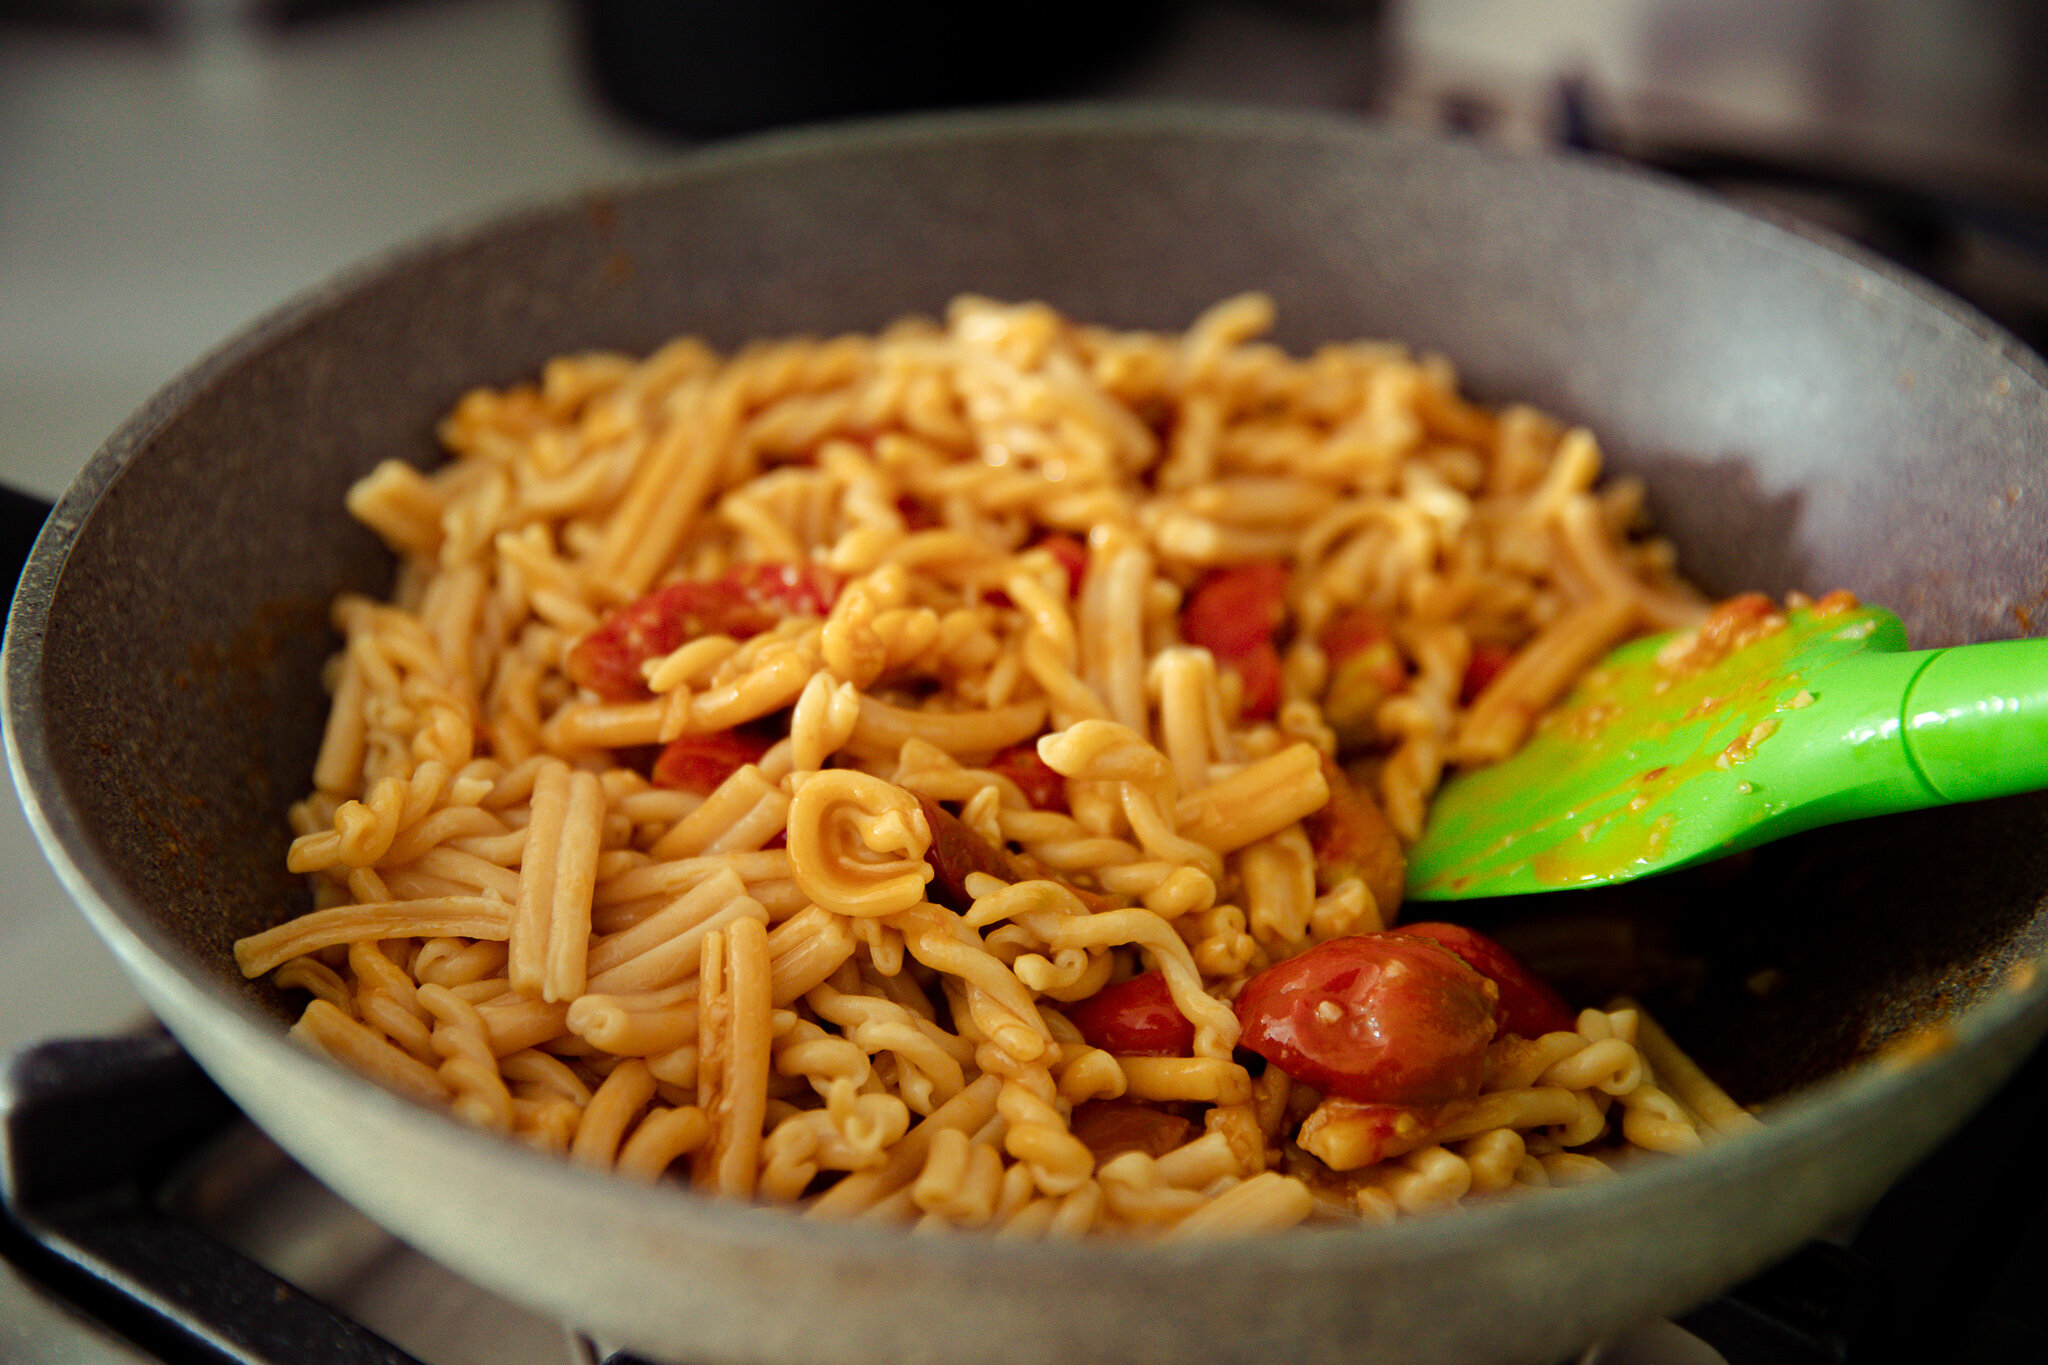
x=916 y=516
x=1377 y=1018
x=1366 y=668
x=1486 y=664
x=1234 y=614
x=1113 y=1127
x=1529 y=1007
x=1259 y=670
x=1072 y=556
x=1352 y=837
x=1370 y=1132
x=607 y=661
x=1136 y=1017
x=1233 y=610
x=701 y=763
x=743 y=601
x=1042 y=787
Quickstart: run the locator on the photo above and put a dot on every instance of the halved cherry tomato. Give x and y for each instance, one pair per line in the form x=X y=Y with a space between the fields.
x=1357 y=631
x=1073 y=557
x=1113 y=1127
x=1481 y=669
x=744 y=601
x=1233 y=610
x=1378 y=1018
x=1135 y=1017
x=957 y=850
x=1259 y=670
x=1234 y=613
x=1042 y=787
x=1366 y=668
x=1529 y=1008
x=1348 y=1136
x=916 y=516
x=1352 y=837
x=701 y=763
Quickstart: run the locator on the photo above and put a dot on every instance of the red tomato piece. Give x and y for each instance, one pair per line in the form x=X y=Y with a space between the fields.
x=1113 y=1127
x=1135 y=1017
x=1042 y=787
x=701 y=763
x=1348 y=1136
x=744 y=601
x=1378 y=1018
x=1234 y=613
x=1352 y=837
x=1073 y=557
x=779 y=591
x=1234 y=610
x=607 y=661
x=1485 y=665
x=1366 y=668
x=1529 y=1008
x=916 y=516
x=1259 y=670
x=1360 y=630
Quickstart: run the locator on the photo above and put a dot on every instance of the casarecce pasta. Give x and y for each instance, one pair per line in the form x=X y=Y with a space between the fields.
x=767 y=766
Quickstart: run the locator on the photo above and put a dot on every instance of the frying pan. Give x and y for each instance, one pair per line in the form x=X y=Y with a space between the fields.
x=1804 y=418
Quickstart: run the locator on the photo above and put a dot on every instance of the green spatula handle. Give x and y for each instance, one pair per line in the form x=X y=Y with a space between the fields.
x=1908 y=730
x=1975 y=719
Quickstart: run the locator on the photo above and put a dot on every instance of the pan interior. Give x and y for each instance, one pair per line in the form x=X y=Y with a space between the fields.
x=1802 y=422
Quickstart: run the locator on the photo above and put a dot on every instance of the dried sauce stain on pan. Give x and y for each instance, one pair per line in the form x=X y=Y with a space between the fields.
x=602 y=211
x=230 y=683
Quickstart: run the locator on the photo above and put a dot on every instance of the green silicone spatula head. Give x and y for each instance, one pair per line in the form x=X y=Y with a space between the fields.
x=1648 y=766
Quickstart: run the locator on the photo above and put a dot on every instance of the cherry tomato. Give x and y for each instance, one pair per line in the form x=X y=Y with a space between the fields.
x=916 y=516
x=1234 y=613
x=1366 y=668
x=1073 y=557
x=744 y=601
x=701 y=763
x=1529 y=1008
x=1351 y=837
x=1485 y=665
x=1135 y=1017
x=1234 y=610
x=1378 y=1018
x=1113 y=1127
x=1259 y=670
x=1357 y=631
x=1348 y=1136
x=957 y=850
x=1042 y=787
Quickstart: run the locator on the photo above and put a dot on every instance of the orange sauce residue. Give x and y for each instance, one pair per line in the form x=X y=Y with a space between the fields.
x=1623 y=817
x=1743 y=746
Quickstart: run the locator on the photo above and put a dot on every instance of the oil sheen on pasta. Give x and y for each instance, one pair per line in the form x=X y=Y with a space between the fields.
x=764 y=760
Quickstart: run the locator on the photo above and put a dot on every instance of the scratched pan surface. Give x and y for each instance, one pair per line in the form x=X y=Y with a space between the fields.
x=1803 y=418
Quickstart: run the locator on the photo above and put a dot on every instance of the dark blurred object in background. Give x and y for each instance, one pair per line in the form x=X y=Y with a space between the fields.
x=1919 y=130
x=731 y=66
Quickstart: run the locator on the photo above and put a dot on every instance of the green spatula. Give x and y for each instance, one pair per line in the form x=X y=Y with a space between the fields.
x=1830 y=719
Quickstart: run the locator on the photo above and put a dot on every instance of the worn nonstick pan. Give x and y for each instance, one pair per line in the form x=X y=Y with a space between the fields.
x=1804 y=417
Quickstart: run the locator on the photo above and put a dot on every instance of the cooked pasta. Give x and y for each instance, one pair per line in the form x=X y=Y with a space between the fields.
x=766 y=766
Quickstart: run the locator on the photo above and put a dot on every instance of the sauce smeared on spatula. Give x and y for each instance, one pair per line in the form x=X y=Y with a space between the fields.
x=1682 y=748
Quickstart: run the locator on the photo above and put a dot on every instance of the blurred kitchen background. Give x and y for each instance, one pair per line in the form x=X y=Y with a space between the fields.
x=171 y=169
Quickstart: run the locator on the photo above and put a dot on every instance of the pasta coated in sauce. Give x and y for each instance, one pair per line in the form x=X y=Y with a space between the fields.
x=764 y=759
